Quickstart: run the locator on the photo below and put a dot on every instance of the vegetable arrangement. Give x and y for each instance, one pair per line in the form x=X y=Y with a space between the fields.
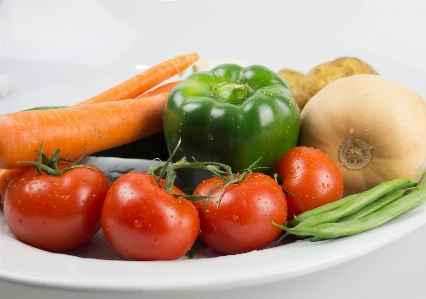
x=254 y=169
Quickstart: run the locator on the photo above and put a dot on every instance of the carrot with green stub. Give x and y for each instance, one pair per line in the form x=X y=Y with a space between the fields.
x=144 y=81
x=78 y=130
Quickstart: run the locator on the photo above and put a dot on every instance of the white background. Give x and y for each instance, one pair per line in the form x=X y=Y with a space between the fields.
x=66 y=51
x=62 y=52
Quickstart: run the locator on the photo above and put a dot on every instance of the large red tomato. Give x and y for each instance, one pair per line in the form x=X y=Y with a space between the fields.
x=142 y=221
x=310 y=178
x=241 y=220
x=55 y=213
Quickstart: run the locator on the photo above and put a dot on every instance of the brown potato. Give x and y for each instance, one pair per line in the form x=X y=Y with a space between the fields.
x=323 y=74
x=293 y=79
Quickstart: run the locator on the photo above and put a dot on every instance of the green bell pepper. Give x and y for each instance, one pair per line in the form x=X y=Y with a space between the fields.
x=232 y=115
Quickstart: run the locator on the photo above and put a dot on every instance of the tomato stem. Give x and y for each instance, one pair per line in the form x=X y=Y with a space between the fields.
x=223 y=171
x=51 y=167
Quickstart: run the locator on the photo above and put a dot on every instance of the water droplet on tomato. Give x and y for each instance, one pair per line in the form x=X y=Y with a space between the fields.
x=137 y=223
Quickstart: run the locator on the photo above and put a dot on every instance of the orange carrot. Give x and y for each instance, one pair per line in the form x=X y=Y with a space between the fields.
x=78 y=129
x=144 y=81
x=160 y=89
x=5 y=176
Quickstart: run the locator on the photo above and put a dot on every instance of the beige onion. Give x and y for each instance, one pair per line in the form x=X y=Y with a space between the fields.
x=373 y=128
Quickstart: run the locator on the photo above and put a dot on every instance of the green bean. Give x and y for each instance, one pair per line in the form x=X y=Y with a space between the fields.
x=329 y=207
x=353 y=206
x=375 y=205
x=367 y=222
x=322 y=209
x=372 y=207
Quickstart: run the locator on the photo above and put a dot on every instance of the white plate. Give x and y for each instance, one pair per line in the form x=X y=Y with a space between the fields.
x=96 y=266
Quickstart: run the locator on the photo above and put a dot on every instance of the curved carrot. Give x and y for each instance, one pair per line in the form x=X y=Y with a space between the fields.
x=160 y=89
x=78 y=130
x=5 y=176
x=144 y=81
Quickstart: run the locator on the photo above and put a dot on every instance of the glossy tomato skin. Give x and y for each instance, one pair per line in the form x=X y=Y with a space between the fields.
x=311 y=178
x=142 y=221
x=55 y=213
x=241 y=221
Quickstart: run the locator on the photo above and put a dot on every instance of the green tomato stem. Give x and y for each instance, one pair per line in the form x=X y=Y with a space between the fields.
x=223 y=171
x=51 y=167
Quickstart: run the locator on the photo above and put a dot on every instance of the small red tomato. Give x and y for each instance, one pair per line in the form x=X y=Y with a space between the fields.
x=310 y=177
x=55 y=213
x=241 y=221
x=142 y=221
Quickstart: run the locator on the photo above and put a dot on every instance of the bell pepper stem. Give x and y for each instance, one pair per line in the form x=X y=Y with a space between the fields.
x=233 y=93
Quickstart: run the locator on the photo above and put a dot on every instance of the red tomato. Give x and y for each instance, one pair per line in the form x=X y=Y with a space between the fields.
x=311 y=178
x=242 y=220
x=142 y=221
x=5 y=176
x=55 y=213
